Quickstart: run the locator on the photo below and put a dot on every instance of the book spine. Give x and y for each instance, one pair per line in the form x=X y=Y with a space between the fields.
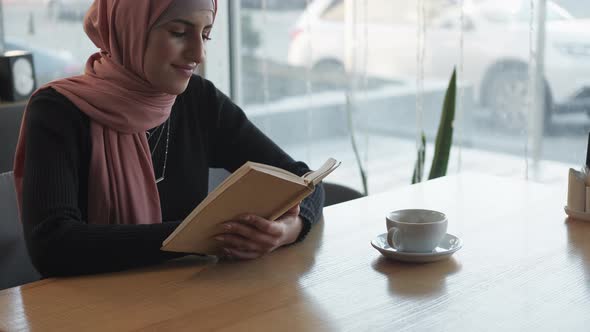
x=290 y=203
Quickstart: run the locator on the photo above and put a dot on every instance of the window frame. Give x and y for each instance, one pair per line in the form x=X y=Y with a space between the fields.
x=2 y=43
x=215 y=67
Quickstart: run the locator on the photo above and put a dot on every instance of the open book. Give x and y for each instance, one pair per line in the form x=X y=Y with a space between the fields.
x=254 y=188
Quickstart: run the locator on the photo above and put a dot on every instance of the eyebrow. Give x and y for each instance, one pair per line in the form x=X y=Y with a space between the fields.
x=190 y=24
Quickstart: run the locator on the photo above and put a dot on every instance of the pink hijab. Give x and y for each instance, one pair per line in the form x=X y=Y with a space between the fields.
x=121 y=104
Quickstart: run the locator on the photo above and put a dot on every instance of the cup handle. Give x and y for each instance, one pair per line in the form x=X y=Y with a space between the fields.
x=393 y=235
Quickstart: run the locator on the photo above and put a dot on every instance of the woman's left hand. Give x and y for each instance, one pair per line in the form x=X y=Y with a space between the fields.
x=251 y=236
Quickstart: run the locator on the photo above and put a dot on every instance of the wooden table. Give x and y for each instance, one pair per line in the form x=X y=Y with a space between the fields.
x=523 y=267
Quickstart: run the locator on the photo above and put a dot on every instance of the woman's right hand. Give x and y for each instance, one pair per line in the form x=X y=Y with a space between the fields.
x=251 y=236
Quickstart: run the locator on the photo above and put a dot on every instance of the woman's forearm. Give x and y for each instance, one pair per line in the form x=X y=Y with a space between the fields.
x=61 y=247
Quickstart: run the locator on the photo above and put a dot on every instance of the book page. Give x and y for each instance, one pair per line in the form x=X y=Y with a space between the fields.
x=278 y=172
x=328 y=167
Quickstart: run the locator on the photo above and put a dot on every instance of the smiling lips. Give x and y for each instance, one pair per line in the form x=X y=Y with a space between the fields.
x=185 y=70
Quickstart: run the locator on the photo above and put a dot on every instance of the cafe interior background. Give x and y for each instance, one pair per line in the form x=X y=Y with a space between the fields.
x=318 y=75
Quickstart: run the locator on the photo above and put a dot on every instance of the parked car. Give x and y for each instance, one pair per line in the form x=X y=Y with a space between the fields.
x=67 y=9
x=496 y=49
x=49 y=64
x=274 y=4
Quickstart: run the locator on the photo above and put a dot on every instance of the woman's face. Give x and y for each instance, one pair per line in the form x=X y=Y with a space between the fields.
x=174 y=50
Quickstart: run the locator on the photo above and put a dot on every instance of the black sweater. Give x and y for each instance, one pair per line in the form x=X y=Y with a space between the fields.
x=206 y=130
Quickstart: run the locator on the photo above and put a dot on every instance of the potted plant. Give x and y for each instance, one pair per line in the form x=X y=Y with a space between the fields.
x=444 y=138
x=443 y=143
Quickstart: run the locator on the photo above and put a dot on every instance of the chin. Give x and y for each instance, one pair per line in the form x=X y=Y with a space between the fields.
x=175 y=89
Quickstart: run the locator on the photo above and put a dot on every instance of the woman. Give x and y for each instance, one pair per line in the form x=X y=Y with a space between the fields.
x=110 y=162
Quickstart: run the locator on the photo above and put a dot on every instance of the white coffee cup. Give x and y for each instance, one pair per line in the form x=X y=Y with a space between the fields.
x=416 y=230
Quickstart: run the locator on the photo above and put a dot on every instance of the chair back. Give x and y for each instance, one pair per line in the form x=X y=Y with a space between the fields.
x=10 y=119
x=15 y=265
x=337 y=193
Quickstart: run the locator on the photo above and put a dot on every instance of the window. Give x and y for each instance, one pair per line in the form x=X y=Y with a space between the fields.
x=553 y=12
x=52 y=31
x=373 y=64
x=335 y=12
x=308 y=78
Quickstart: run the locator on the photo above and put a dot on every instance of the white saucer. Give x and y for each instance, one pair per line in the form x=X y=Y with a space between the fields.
x=448 y=245
x=585 y=216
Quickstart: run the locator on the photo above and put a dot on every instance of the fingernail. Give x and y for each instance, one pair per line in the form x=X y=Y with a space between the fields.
x=227 y=226
x=219 y=238
x=247 y=218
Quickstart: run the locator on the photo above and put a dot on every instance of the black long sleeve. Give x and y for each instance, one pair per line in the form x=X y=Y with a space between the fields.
x=55 y=200
x=207 y=130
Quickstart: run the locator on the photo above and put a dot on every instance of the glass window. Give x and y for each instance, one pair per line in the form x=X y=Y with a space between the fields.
x=334 y=12
x=553 y=12
x=556 y=13
x=309 y=80
x=312 y=79
x=52 y=31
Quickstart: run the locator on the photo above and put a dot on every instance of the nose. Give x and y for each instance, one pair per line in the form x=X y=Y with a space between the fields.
x=196 y=52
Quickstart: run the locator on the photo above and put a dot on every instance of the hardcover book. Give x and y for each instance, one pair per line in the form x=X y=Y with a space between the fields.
x=254 y=188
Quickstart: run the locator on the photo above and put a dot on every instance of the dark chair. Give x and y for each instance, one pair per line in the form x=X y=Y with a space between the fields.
x=15 y=265
x=10 y=119
x=336 y=193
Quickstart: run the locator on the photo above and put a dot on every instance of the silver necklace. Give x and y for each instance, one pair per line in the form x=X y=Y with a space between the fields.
x=149 y=135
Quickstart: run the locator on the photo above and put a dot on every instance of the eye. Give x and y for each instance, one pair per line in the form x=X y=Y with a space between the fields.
x=178 y=34
x=206 y=37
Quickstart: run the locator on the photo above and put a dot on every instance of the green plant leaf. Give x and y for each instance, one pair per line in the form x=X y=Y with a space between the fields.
x=419 y=166
x=444 y=137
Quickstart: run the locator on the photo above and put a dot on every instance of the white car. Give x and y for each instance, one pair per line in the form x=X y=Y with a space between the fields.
x=496 y=49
